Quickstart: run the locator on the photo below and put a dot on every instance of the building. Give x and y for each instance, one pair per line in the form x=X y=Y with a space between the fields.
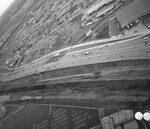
x=98 y=5
x=99 y=14
x=133 y=11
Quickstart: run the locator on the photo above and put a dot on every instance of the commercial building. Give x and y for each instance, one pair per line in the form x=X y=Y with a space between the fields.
x=98 y=5
x=133 y=11
x=99 y=14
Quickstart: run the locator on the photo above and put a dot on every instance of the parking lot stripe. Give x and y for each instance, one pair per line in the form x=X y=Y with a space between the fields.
x=45 y=121
x=34 y=126
x=49 y=110
x=13 y=113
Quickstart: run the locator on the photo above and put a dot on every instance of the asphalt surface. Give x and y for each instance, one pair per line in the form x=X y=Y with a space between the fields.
x=33 y=116
x=113 y=27
x=95 y=52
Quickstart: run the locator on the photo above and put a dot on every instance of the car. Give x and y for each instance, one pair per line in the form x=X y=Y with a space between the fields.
x=131 y=24
x=137 y=21
x=86 y=53
x=148 y=26
x=77 y=54
x=128 y=27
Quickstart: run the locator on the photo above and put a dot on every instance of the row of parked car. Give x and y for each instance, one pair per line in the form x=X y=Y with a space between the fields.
x=83 y=54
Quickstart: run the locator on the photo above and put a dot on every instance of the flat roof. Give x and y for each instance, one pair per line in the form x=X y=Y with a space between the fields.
x=104 y=11
x=96 y=6
x=133 y=11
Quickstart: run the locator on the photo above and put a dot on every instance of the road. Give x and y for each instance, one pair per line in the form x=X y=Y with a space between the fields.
x=118 y=7
x=99 y=51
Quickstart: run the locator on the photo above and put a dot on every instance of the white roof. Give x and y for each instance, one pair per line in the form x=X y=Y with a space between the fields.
x=104 y=11
x=133 y=11
x=95 y=7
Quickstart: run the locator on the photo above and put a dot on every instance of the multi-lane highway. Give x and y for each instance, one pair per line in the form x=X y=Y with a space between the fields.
x=100 y=51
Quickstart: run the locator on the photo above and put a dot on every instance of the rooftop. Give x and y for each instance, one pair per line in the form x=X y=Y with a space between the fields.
x=133 y=11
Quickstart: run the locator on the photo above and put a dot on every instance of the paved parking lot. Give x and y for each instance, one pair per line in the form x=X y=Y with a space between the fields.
x=114 y=29
x=33 y=116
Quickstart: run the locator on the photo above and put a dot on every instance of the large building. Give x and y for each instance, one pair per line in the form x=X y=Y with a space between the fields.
x=133 y=11
x=98 y=5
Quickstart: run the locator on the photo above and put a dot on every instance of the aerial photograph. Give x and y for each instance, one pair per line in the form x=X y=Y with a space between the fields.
x=74 y=64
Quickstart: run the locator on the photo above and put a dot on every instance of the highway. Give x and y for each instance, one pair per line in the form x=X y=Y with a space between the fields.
x=99 y=51
x=109 y=73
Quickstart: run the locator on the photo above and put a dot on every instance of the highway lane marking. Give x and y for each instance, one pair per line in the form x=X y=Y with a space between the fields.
x=124 y=58
x=68 y=48
x=13 y=113
x=91 y=42
x=95 y=62
x=115 y=50
x=108 y=53
x=109 y=44
x=101 y=61
x=86 y=49
x=84 y=44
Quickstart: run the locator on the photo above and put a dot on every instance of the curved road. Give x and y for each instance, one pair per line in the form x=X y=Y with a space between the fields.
x=108 y=50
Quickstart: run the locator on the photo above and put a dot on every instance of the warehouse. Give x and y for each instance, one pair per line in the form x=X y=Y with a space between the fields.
x=133 y=11
x=99 y=5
